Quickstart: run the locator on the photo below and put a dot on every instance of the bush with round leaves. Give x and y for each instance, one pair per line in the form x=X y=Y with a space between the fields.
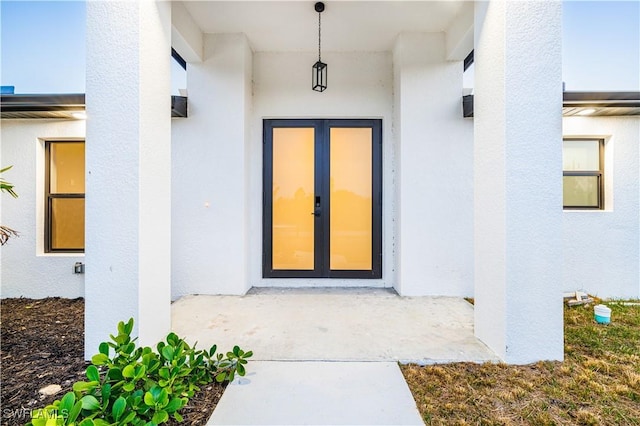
x=129 y=385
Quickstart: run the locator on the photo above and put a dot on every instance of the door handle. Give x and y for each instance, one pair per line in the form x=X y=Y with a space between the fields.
x=316 y=212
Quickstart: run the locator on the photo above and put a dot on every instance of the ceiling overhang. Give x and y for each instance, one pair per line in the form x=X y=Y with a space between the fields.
x=65 y=106
x=347 y=26
x=42 y=105
x=61 y=106
x=588 y=104
x=601 y=103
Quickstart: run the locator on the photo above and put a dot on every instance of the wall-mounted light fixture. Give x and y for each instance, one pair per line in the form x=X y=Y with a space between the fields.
x=78 y=268
x=319 y=69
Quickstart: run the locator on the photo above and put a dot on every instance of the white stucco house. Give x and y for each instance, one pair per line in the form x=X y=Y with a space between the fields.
x=378 y=181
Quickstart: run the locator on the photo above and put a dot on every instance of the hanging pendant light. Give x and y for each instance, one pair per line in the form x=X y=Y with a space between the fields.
x=319 y=69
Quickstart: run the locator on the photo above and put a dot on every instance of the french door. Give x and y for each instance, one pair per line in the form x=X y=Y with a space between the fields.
x=322 y=199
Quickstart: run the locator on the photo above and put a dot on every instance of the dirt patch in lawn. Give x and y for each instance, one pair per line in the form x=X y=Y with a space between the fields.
x=43 y=344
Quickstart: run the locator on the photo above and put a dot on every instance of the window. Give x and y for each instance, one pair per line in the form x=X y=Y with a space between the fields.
x=582 y=173
x=64 y=191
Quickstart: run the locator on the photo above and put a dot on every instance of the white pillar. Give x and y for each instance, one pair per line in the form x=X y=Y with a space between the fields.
x=128 y=163
x=518 y=179
x=434 y=158
x=211 y=172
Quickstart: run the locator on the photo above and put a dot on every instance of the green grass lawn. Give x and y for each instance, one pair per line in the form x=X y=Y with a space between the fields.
x=597 y=384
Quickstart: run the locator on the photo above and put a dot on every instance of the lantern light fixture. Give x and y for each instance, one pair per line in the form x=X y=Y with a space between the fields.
x=319 y=69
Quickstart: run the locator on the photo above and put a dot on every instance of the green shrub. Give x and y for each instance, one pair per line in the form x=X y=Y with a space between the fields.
x=129 y=385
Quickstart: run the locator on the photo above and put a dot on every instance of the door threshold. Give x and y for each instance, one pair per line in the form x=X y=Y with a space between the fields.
x=323 y=290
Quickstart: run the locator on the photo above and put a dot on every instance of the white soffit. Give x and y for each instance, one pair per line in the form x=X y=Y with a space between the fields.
x=292 y=26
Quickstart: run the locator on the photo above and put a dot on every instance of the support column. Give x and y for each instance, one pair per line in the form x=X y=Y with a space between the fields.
x=128 y=163
x=434 y=157
x=211 y=172
x=518 y=179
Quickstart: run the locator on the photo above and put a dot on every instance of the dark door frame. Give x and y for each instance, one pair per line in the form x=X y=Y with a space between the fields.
x=321 y=187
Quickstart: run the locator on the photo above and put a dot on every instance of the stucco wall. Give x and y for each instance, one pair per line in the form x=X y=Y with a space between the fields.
x=128 y=162
x=26 y=270
x=209 y=173
x=216 y=226
x=601 y=248
x=517 y=161
x=435 y=170
x=359 y=86
x=209 y=243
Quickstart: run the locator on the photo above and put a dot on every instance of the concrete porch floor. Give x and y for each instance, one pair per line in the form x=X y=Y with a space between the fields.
x=331 y=324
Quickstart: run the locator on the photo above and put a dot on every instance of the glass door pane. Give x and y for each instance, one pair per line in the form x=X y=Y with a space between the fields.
x=350 y=182
x=293 y=199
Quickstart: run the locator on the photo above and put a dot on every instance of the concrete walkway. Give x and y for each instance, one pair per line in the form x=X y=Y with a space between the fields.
x=327 y=356
x=318 y=393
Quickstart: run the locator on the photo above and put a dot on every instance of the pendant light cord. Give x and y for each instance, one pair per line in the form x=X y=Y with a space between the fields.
x=319 y=34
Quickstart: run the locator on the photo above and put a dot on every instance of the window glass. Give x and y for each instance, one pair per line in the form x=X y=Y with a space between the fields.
x=67 y=168
x=64 y=217
x=581 y=155
x=580 y=191
x=582 y=183
x=67 y=223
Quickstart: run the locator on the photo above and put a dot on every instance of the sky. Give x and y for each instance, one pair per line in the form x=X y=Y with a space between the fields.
x=601 y=45
x=42 y=46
